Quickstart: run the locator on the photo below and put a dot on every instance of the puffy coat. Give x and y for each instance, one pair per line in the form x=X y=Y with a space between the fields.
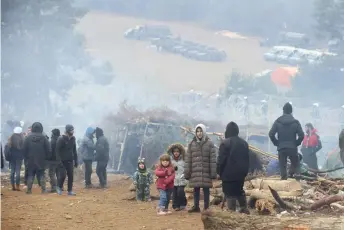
x=289 y=132
x=179 y=164
x=36 y=148
x=165 y=177
x=200 y=161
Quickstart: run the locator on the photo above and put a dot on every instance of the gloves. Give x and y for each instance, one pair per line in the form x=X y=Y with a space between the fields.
x=176 y=168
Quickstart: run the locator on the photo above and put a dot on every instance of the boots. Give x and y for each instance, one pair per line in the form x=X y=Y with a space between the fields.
x=13 y=187
x=17 y=187
x=231 y=203
x=243 y=205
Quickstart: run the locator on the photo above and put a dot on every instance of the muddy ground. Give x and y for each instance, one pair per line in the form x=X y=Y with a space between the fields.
x=100 y=209
x=90 y=209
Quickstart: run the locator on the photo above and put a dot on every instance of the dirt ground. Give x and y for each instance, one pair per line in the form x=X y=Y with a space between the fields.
x=133 y=61
x=90 y=209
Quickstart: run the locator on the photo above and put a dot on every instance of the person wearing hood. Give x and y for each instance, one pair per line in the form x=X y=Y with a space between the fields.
x=36 y=151
x=67 y=155
x=289 y=137
x=341 y=145
x=14 y=154
x=177 y=153
x=53 y=163
x=233 y=166
x=102 y=157
x=142 y=180
x=87 y=149
x=200 y=166
x=310 y=146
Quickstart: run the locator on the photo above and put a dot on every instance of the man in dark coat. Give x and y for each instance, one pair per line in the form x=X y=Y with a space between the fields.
x=289 y=137
x=36 y=151
x=53 y=163
x=233 y=166
x=102 y=157
x=67 y=155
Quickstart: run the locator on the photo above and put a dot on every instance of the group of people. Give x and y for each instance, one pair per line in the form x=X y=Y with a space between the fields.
x=58 y=156
x=199 y=165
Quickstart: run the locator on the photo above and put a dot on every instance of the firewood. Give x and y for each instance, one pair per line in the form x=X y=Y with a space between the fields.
x=218 y=220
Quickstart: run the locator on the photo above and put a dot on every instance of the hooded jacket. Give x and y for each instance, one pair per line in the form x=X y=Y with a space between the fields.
x=289 y=132
x=87 y=146
x=179 y=164
x=200 y=161
x=102 y=146
x=55 y=134
x=234 y=157
x=36 y=147
x=66 y=149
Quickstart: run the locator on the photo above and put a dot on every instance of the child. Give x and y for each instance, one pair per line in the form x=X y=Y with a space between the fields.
x=177 y=153
x=142 y=181
x=165 y=182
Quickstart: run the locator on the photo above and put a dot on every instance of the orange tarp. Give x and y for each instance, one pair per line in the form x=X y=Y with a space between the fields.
x=282 y=76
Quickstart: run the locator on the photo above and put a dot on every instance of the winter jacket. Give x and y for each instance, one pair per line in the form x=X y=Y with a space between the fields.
x=87 y=146
x=341 y=145
x=179 y=164
x=36 y=148
x=311 y=143
x=102 y=146
x=289 y=132
x=14 y=154
x=233 y=160
x=66 y=149
x=200 y=161
x=165 y=177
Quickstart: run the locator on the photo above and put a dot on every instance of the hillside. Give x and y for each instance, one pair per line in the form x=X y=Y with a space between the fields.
x=134 y=62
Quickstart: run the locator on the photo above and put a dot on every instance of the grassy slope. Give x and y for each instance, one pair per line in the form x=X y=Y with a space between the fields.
x=134 y=62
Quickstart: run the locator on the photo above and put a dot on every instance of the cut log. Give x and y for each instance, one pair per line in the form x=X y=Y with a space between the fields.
x=277 y=184
x=283 y=194
x=218 y=220
x=327 y=201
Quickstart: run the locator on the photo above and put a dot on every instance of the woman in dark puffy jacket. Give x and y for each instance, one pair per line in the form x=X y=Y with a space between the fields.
x=14 y=154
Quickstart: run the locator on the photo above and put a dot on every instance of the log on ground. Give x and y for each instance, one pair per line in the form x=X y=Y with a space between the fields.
x=218 y=220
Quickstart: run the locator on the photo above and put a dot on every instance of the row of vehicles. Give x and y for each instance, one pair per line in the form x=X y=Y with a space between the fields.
x=296 y=56
x=163 y=40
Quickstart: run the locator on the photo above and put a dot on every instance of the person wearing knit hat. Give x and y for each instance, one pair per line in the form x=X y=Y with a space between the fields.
x=17 y=130
x=289 y=136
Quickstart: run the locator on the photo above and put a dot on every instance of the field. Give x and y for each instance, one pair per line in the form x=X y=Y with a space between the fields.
x=89 y=210
x=134 y=62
